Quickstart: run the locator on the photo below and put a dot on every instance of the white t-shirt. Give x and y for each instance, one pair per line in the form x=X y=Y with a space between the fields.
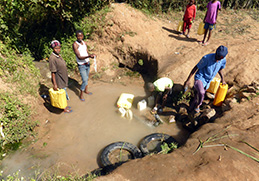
x=83 y=52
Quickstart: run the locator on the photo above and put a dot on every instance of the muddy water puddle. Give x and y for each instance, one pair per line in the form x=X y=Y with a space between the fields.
x=75 y=140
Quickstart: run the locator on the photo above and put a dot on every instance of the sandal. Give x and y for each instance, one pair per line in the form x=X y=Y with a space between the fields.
x=89 y=93
x=205 y=44
x=197 y=110
x=68 y=111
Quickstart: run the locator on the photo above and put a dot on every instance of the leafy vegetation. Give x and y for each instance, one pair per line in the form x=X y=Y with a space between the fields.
x=167 y=148
x=30 y=25
x=18 y=70
x=15 y=117
x=33 y=24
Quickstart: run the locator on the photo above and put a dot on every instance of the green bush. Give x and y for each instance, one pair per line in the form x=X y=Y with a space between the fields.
x=19 y=70
x=17 y=125
x=89 y=25
x=31 y=24
x=67 y=52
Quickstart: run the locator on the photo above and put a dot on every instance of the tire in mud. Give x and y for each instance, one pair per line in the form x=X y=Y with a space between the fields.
x=152 y=143
x=118 y=153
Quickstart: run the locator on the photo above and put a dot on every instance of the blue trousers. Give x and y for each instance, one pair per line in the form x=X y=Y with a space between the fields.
x=66 y=93
x=84 y=72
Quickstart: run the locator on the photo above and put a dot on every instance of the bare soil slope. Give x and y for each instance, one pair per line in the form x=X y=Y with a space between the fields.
x=158 y=44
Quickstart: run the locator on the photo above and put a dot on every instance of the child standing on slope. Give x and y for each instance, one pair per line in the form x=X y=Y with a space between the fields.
x=210 y=19
x=189 y=17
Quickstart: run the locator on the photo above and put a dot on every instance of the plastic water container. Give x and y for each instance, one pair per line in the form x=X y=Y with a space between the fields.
x=58 y=98
x=125 y=100
x=180 y=26
x=151 y=101
x=129 y=114
x=214 y=85
x=220 y=95
x=122 y=111
x=142 y=105
x=201 y=29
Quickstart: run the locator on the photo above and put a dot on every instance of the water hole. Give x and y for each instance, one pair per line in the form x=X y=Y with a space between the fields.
x=75 y=140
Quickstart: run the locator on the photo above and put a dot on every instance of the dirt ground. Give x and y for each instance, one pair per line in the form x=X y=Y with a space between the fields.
x=129 y=36
x=157 y=40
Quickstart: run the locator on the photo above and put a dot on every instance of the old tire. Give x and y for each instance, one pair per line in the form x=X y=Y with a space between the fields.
x=152 y=143
x=119 y=152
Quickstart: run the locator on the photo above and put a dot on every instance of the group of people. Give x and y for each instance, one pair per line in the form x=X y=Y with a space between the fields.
x=58 y=68
x=209 y=20
x=207 y=67
x=204 y=71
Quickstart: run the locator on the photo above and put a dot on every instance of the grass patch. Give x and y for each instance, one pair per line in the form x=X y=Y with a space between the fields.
x=17 y=125
x=19 y=70
x=46 y=175
x=254 y=14
x=130 y=73
x=167 y=148
x=114 y=65
x=97 y=76
x=94 y=24
x=218 y=137
x=240 y=151
x=213 y=138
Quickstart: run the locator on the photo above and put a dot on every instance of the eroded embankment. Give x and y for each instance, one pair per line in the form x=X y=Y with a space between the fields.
x=237 y=123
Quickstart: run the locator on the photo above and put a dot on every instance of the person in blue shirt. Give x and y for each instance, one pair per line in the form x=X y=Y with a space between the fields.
x=205 y=71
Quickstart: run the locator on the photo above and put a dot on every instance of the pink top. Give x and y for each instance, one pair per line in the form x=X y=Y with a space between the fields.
x=212 y=12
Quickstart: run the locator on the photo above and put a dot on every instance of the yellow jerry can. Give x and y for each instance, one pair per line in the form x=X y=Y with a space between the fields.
x=180 y=26
x=201 y=29
x=58 y=98
x=125 y=100
x=214 y=85
x=220 y=95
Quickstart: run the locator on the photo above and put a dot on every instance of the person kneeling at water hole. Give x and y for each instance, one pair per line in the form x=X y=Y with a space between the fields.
x=206 y=70
x=163 y=88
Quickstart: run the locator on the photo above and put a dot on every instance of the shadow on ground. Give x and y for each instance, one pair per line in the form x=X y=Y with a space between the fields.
x=176 y=35
x=44 y=93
